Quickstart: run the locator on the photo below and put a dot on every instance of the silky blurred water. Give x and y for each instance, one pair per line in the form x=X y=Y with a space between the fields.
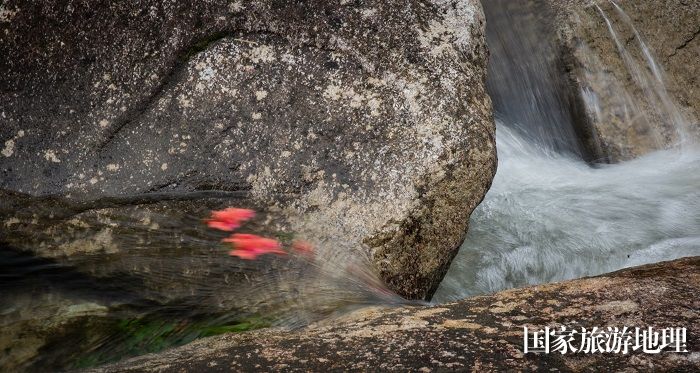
x=148 y=275
x=549 y=217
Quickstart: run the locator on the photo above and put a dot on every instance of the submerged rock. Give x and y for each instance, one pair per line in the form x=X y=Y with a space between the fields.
x=363 y=126
x=634 y=65
x=483 y=333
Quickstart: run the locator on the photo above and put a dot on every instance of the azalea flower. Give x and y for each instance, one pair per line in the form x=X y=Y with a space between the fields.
x=230 y=218
x=249 y=246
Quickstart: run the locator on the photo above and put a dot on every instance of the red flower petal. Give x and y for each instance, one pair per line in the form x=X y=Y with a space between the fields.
x=249 y=246
x=230 y=218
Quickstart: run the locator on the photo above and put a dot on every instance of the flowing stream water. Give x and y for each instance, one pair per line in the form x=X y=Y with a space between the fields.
x=552 y=213
x=550 y=217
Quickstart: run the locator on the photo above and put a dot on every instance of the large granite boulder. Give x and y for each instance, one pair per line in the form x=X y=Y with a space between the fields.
x=634 y=64
x=483 y=333
x=362 y=126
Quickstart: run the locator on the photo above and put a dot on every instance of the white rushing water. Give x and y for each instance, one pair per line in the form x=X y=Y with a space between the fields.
x=549 y=218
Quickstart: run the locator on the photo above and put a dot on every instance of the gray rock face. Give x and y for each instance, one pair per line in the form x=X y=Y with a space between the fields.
x=634 y=106
x=363 y=126
x=482 y=333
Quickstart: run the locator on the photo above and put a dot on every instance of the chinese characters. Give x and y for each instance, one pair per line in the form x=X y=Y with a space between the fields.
x=604 y=340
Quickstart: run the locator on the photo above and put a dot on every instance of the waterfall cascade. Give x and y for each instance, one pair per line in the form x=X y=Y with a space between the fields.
x=526 y=82
x=549 y=215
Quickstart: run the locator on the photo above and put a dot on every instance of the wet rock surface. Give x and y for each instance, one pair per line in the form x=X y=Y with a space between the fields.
x=482 y=333
x=629 y=118
x=362 y=126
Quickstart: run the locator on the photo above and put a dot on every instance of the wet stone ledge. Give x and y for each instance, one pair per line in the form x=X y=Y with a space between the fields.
x=483 y=333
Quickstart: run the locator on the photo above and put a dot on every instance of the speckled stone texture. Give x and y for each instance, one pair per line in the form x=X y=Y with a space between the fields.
x=364 y=125
x=626 y=124
x=483 y=333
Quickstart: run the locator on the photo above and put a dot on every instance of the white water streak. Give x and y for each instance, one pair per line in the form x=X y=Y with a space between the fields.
x=654 y=88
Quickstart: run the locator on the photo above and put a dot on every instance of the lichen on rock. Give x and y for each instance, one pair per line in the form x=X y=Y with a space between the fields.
x=365 y=126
